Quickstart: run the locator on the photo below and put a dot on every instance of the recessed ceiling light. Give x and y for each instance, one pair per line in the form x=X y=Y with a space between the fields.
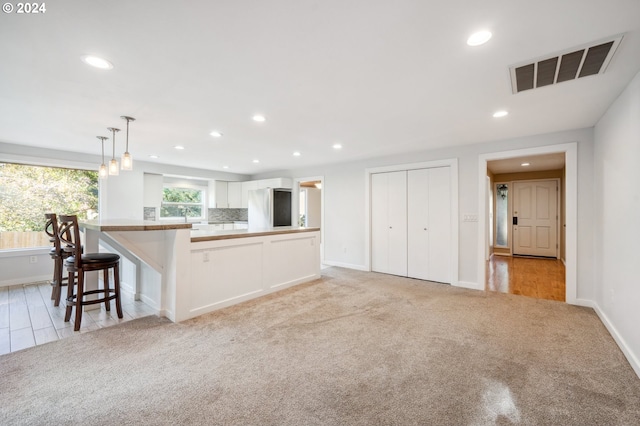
x=481 y=37
x=501 y=113
x=259 y=118
x=179 y=147
x=337 y=146
x=225 y=167
x=296 y=154
x=216 y=134
x=97 y=62
x=153 y=156
x=256 y=161
x=525 y=164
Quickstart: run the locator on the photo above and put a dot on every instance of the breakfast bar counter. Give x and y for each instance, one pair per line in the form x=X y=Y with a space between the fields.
x=183 y=273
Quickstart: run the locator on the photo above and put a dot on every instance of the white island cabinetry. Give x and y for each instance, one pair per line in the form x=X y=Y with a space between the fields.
x=240 y=265
x=183 y=273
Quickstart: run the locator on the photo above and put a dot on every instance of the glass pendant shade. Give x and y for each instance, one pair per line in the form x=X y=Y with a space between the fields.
x=103 y=172
x=114 y=169
x=126 y=162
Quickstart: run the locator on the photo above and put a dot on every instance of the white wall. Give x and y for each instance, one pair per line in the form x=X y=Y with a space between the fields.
x=617 y=236
x=344 y=195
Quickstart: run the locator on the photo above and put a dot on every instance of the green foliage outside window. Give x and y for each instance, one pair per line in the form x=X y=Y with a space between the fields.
x=181 y=202
x=28 y=192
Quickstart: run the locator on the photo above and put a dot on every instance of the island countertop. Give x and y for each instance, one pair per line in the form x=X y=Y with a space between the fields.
x=132 y=225
x=199 y=236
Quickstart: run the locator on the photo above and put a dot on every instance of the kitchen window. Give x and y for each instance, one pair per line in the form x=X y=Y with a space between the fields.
x=180 y=202
x=27 y=192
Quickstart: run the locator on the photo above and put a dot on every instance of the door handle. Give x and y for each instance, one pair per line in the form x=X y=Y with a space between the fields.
x=515 y=220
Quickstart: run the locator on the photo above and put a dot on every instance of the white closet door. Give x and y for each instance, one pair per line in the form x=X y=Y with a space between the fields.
x=418 y=223
x=398 y=223
x=379 y=222
x=440 y=225
x=389 y=223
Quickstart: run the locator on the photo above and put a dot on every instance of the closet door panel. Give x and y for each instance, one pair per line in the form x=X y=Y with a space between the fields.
x=379 y=222
x=440 y=225
x=418 y=223
x=397 y=185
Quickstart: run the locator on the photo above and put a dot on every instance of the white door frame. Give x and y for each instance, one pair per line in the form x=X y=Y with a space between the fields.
x=296 y=206
x=571 y=204
x=453 y=165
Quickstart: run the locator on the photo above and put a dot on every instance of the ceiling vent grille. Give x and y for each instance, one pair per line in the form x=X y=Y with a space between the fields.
x=576 y=63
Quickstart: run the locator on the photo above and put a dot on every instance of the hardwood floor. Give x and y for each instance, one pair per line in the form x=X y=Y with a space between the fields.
x=539 y=278
x=28 y=317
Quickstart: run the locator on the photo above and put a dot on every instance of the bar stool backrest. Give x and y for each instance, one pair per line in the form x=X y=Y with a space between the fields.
x=51 y=229
x=69 y=235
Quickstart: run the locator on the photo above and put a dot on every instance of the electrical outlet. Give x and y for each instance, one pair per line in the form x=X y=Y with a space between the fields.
x=33 y=259
x=205 y=256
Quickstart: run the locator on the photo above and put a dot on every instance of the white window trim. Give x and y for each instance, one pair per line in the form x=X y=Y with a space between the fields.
x=203 y=204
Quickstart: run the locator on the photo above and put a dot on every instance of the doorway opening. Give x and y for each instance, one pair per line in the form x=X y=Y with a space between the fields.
x=308 y=205
x=531 y=206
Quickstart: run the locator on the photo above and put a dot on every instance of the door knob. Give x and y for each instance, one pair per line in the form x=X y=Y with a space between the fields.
x=425 y=229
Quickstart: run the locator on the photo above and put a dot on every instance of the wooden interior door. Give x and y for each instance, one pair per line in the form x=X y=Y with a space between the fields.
x=535 y=209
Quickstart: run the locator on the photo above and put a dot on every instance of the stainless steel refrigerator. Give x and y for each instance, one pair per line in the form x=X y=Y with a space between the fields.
x=269 y=207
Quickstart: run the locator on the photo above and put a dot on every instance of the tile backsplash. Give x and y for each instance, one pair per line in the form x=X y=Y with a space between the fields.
x=150 y=213
x=230 y=215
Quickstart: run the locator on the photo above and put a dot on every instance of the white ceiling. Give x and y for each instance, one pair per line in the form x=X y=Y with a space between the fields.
x=380 y=77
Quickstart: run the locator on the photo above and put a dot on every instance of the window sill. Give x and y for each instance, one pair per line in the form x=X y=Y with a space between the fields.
x=34 y=251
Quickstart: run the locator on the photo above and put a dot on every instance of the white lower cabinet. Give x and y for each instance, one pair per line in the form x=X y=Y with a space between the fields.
x=411 y=223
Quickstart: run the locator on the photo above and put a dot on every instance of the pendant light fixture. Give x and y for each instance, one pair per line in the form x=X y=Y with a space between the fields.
x=126 y=162
x=113 y=164
x=103 y=172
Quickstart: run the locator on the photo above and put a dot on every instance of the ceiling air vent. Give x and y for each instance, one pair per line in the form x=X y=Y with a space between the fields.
x=578 y=62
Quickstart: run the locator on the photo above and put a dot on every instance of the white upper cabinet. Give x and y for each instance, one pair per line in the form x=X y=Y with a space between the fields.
x=218 y=191
x=234 y=195
x=276 y=183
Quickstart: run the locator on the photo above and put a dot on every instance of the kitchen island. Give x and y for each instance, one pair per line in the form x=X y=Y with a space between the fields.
x=184 y=273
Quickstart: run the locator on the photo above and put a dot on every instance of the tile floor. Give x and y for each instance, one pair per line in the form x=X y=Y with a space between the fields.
x=28 y=317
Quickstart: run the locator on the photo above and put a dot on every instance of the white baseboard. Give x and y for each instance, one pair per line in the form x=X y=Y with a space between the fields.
x=585 y=302
x=345 y=265
x=468 y=284
x=150 y=302
x=628 y=353
x=25 y=280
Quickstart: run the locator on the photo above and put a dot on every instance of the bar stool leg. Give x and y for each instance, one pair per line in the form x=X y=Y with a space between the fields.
x=67 y=315
x=116 y=286
x=107 y=302
x=57 y=288
x=78 y=302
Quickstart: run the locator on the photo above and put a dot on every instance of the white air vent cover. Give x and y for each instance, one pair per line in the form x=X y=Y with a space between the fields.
x=578 y=62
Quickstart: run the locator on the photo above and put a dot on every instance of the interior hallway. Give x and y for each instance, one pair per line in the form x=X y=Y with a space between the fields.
x=533 y=277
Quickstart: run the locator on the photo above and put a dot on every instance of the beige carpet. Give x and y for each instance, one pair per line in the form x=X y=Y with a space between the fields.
x=352 y=348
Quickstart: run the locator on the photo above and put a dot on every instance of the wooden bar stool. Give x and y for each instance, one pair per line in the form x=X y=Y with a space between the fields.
x=58 y=255
x=69 y=234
